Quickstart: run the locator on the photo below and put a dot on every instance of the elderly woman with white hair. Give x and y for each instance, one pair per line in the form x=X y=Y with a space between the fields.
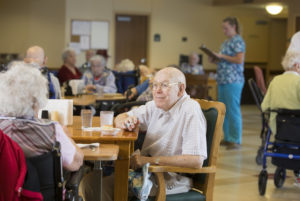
x=23 y=91
x=284 y=89
x=125 y=65
x=284 y=92
x=100 y=80
x=68 y=71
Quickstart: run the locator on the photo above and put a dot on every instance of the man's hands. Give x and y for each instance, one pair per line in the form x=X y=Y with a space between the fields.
x=130 y=123
x=137 y=161
x=132 y=93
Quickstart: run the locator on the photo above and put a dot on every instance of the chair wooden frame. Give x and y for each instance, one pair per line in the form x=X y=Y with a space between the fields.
x=210 y=170
x=196 y=85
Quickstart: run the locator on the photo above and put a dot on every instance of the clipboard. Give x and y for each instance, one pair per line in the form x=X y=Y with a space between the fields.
x=209 y=53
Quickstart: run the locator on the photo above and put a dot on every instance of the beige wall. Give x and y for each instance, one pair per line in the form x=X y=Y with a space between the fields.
x=47 y=23
x=277 y=40
x=173 y=19
x=294 y=11
x=32 y=22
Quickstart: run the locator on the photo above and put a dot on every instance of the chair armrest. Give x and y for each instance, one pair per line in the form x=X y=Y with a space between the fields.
x=158 y=172
x=74 y=180
x=157 y=168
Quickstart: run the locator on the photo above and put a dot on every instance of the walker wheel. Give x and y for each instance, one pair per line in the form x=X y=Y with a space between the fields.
x=259 y=156
x=262 y=182
x=279 y=177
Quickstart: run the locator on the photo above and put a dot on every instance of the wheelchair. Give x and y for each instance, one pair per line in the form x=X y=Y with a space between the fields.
x=258 y=98
x=51 y=178
x=125 y=79
x=284 y=151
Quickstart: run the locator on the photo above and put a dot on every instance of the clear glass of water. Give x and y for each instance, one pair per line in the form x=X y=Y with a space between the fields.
x=86 y=118
x=106 y=118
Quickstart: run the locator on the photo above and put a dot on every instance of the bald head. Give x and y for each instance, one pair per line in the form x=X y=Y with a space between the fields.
x=174 y=74
x=168 y=87
x=35 y=54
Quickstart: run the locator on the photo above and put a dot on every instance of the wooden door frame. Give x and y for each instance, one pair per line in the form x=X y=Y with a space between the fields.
x=148 y=31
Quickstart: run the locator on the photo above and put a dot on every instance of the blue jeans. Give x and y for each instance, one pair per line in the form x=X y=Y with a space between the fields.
x=230 y=95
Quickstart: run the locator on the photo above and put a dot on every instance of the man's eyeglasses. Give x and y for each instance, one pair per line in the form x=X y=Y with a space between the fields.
x=163 y=85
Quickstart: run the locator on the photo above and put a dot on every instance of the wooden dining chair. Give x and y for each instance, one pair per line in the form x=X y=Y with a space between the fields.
x=260 y=80
x=203 y=178
x=196 y=86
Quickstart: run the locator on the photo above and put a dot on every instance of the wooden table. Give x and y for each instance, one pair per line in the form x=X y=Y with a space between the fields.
x=91 y=99
x=111 y=97
x=82 y=100
x=125 y=141
x=106 y=152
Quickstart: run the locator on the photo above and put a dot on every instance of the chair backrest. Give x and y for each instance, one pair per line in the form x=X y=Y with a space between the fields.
x=256 y=93
x=48 y=168
x=196 y=85
x=214 y=113
x=260 y=81
x=125 y=79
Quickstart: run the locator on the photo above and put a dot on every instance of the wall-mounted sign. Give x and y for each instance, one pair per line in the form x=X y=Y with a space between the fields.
x=157 y=37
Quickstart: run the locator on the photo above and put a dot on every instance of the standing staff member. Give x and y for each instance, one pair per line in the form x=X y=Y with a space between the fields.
x=230 y=79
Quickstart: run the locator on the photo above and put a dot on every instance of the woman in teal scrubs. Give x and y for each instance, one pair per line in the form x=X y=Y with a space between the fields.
x=230 y=79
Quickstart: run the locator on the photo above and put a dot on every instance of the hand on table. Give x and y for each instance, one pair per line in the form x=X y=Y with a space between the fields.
x=90 y=87
x=132 y=93
x=130 y=123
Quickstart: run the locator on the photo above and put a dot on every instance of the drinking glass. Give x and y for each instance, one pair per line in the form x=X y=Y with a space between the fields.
x=86 y=118
x=106 y=118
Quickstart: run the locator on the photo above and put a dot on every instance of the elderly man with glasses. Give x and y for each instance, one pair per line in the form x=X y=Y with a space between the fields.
x=176 y=130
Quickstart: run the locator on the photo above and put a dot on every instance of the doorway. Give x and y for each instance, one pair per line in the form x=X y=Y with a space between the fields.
x=131 y=38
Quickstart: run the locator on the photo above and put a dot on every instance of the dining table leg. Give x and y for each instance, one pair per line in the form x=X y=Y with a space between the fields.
x=122 y=171
x=98 y=168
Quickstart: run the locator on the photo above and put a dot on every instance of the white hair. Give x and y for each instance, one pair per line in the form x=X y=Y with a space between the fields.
x=290 y=59
x=100 y=59
x=66 y=53
x=295 y=42
x=125 y=65
x=22 y=89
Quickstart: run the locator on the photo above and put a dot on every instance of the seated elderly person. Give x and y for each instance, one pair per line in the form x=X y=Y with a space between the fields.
x=36 y=54
x=284 y=92
x=141 y=92
x=87 y=64
x=68 y=70
x=284 y=89
x=23 y=91
x=124 y=66
x=192 y=67
x=176 y=129
x=100 y=80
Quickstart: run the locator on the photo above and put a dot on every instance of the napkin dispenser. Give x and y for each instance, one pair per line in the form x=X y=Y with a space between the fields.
x=62 y=108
